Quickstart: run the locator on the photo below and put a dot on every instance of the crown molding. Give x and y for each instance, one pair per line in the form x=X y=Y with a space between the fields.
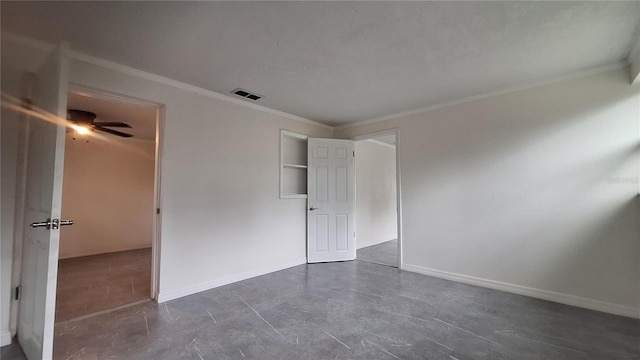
x=187 y=87
x=574 y=75
x=79 y=56
x=378 y=142
x=27 y=41
x=76 y=55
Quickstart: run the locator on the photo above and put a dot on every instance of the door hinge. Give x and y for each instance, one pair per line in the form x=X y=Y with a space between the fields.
x=354 y=234
x=158 y=211
x=354 y=153
x=18 y=293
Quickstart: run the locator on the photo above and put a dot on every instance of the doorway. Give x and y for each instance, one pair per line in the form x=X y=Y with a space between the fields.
x=377 y=214
x=109 y=190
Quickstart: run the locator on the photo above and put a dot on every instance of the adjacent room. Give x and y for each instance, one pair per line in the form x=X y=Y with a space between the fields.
x=320 y=180
x=376 y=200
x=108 y=190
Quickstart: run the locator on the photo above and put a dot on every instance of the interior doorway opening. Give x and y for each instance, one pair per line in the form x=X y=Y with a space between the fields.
x=377 y=216
x=107 y=258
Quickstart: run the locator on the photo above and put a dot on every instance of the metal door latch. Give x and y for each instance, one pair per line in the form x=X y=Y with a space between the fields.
x=52 y=224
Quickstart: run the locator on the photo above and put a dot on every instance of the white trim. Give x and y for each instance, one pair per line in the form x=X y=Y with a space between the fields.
x=367 y=136
x=75 y=55
x=378 y=142
x=293 y=134
x=175 y=294
x=89 y=91
x=156 y=240
x=27 y=41
x=294 y=196
x=575 y=75
x=159 y=108
x=557 y=297
x=5 y=338
x=399 y=200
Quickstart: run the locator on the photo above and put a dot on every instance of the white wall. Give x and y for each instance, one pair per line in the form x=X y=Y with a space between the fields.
x=108 y=192
x=534 y=192
x=222 y=218
x=221 y=214
x=375 y=193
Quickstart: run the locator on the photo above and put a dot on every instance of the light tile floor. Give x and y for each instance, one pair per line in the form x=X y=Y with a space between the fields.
x=385 y=253
x=91 y=284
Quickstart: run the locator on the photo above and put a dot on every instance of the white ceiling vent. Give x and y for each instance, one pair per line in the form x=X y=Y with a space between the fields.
x=246 y=94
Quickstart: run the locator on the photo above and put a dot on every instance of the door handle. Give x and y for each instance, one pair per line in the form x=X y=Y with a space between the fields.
x=313 y=208
x=52 y=224
x=42 y=224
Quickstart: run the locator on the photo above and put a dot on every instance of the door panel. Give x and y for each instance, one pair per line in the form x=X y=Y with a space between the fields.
x=322 y=233
x=43 y=198
x=331 y=202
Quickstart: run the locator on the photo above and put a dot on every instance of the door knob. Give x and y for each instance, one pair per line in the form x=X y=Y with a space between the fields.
x=52 y=224
x=313 y=208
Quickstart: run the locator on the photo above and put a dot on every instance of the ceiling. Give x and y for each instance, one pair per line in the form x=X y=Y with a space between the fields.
x=341 y=62
x=141 y=119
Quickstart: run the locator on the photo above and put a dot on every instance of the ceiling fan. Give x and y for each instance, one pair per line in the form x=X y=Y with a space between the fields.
x=84 y=121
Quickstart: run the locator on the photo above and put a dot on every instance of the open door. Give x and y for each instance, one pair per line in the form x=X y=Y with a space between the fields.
x=331 y=203
x=43 y=197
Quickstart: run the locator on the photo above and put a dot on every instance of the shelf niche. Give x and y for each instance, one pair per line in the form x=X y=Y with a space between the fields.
x=293 y=165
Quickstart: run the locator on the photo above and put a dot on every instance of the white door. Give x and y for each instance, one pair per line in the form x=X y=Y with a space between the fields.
x=43 y=197
x=331 y=203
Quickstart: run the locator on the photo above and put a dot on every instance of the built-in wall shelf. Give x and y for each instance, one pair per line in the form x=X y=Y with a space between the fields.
x=293 y=165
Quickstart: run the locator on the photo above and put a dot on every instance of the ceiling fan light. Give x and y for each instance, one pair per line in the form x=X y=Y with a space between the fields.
x=81 y=130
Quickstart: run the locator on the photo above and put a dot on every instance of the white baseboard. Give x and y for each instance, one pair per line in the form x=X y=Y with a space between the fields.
x=5 y=338
x=561 y=298
x=174 y=294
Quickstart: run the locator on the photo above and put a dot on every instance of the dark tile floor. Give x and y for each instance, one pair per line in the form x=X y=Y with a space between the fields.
x=385 y=253
x=91 y=284
x=349 y=310
x=12 y=352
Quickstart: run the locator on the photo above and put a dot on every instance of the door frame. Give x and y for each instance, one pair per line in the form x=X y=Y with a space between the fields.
x=367 y=136
x=159 y=142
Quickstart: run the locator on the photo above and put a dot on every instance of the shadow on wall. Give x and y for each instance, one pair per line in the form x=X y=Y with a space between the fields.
x=536 y=188
x=537 y=121
x=602 y=243
x=588 y=192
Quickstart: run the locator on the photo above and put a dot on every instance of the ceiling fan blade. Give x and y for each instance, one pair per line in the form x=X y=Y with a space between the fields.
x=113 y=132
x=112 y=124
